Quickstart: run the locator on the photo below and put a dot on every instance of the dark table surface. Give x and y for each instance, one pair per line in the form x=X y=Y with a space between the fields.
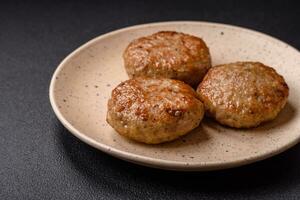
x=40 y=159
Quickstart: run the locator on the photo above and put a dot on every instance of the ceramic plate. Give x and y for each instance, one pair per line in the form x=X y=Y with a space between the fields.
x=82 y=84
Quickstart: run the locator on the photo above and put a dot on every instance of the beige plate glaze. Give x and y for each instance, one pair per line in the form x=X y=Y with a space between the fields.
x=82 y=83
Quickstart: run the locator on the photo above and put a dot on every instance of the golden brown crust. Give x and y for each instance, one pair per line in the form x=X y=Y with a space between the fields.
x=243 y=94
x=154 y=110
x=168 y=54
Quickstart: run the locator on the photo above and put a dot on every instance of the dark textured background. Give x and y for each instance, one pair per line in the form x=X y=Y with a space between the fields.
x=39 y=159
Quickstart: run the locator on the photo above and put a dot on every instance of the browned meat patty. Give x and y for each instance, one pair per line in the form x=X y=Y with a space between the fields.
x=154 y=110
x=243 y=94
x=170 y=55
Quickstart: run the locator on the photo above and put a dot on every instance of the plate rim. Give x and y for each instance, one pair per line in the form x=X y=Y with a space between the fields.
x=157 y=162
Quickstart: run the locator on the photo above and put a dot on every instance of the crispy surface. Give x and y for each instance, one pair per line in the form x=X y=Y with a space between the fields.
x=168 y=54
x=243 y=94
x=154 y=110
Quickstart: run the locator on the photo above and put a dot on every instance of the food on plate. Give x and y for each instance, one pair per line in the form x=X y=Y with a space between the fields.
x=154 y=110
x=243 y=94
x=168 y=54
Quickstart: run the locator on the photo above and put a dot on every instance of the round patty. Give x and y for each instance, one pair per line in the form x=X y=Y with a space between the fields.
x=154 y=110
x=243 y=94
x=170 y=55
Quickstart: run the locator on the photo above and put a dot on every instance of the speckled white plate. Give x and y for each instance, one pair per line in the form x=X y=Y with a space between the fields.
x=82 y=83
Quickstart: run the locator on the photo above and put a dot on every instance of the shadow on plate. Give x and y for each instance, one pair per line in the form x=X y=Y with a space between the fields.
x=99 y=168
x=196 y=136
